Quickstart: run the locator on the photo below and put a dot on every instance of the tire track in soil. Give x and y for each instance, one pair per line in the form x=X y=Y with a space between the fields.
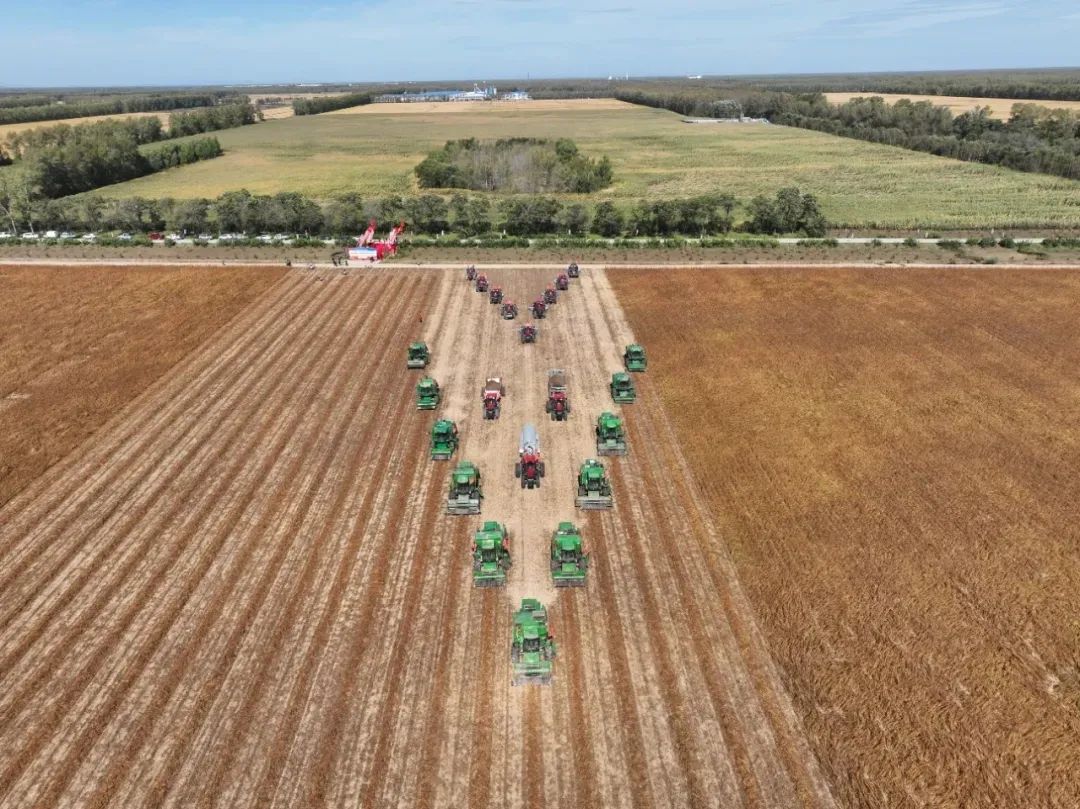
x=532 y=775
x=68 y=604
x=442 y=354
x=130 y=420
x=61 y=534
x=143 y=653
x=64 y=599
x=780 y=765
x=133 y=423
x=389 y=455
x=222 y=747
x=584 y=760
x=37 y=686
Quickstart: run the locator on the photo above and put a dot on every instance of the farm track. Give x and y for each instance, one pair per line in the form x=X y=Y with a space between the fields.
x=244 y=591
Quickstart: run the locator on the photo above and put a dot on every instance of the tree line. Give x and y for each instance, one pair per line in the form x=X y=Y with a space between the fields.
x=81 y=107
x=71 y=159
x=790 y=211
x=314 y=106
x=515 y=165
x=1036 y=138
x=211 y=119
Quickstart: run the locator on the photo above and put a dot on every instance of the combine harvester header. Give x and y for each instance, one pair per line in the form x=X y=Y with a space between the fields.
x=374 y=252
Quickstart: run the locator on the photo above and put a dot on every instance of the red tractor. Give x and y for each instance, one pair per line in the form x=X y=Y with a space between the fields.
x=495 y=295
x=491 y=396
x=562 y=283
x=528 y=333
x=539 y=309
x=550 y=296
x=558 y=405
x=529 y=467
x=470 y=272
x=481 y=283
x=509 y=310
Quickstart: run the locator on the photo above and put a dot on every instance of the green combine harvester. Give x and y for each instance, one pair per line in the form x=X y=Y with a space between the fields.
x=491 y=555
x=532 y=650
x=427 y=394
x=465 y=490
x=622 y=388
x=444 y=440
x=593 y=487
x=418 y=355
x=634 y=358
x=610 y=436
x=568 y=561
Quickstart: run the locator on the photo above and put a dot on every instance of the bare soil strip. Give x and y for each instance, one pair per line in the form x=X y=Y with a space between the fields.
x=244 y=591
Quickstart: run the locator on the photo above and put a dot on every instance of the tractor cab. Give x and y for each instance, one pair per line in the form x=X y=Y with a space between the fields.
x=594 y=489
x=495 y=295
x=573 y=271
x=418 y=355
x=622 y=388
x=491 y=555
x=568 y=560
x=465 y=490
x=527 y=333
x=470 y=272
x=550 y=296
x=427 y=394
x=610 y=436
x=532 y=649
x=562 y=283
x=539 y=309
x=481 y=283
x=634 y=358
x=509 y=310
x=444 y=440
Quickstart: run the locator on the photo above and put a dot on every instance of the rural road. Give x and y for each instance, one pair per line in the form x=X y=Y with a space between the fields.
x=243 y=590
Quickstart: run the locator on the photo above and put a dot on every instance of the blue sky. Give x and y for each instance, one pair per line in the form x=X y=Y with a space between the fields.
x=119 y=42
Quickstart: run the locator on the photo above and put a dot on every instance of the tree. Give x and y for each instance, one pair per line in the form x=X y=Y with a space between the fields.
x=574 y=219
x=189 y=216
x=608 y=221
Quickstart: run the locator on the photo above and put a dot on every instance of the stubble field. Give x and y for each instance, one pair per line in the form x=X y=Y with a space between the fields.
x=890 y=456
x=243 y=591
x=78 y=343
x=999 y=107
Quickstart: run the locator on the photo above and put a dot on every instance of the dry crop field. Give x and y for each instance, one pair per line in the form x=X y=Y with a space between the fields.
x=890 y=455
x=243 y=590
x=999 y=107
x=78 y=343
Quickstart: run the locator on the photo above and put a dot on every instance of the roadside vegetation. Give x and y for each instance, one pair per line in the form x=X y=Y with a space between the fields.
x=314 y=106
x=461 y=216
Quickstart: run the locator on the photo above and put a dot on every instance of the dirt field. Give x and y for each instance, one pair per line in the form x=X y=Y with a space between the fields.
x=891 y=458
x=245 y=592
x=79 y=343
x=999 y=107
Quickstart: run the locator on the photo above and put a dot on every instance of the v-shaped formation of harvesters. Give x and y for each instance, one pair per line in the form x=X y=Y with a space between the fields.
x=532 y=646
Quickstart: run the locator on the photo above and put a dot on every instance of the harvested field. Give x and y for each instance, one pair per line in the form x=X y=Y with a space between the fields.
x=891 y=461
x=11 y=129
x=245 y=593
x=78 y=343
x=544 y=105
x=999 y=107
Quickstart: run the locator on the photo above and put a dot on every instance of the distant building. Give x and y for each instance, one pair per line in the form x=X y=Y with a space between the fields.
x=477 y=93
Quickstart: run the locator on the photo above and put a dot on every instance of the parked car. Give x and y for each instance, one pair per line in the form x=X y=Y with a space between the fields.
x=30 y=237
x=5 y=235
x=124 y=237
x=156 y=237
x=88 y=237
x=67 y=234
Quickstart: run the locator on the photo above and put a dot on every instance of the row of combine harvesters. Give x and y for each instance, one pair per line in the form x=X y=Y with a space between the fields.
x=532 y=647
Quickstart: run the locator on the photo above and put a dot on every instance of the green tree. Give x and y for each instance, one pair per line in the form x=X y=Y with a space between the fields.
x=608 y=220
x=574 y=219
